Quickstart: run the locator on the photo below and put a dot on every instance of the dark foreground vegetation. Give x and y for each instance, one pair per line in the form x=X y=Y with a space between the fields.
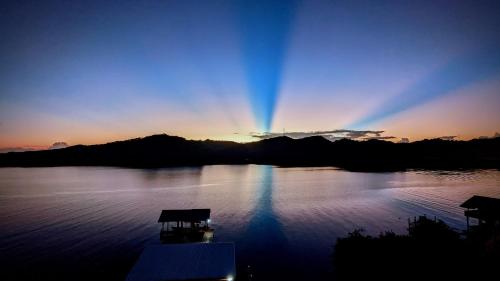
x=163 y=151
x=430 y=251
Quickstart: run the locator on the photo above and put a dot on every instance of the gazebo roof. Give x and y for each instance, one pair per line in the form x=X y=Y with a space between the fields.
x=483 y=203
x=188 y=215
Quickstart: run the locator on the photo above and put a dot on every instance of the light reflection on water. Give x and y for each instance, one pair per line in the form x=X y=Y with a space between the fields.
x=93 y=221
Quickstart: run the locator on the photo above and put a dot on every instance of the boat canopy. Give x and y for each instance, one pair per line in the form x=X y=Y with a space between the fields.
x=189 y=215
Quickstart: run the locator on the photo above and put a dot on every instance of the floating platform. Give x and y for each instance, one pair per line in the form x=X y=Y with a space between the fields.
x=188 y=261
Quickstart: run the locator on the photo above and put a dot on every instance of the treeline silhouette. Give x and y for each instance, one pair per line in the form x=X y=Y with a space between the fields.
x=164 y=151
x=430 y=251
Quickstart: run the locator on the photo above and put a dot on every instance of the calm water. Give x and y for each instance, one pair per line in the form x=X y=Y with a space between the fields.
x=79 y=222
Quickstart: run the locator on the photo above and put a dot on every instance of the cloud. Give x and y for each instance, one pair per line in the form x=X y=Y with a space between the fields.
x=353 y=134
x=496 y=135
x=449 y=138
x=404 y=140
x=380 y=138
x=58 y=145
x=21 y=148
x=15 y=149
x=332 y=135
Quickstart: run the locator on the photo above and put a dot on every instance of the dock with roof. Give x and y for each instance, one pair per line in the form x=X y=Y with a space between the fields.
x=184 y=226
x=186 y=251
x=485 y=209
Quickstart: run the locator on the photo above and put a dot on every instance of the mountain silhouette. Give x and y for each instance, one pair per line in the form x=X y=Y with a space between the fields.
x=164 y=151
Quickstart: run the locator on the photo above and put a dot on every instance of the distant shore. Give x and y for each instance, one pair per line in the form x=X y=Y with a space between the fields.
x=169 y=151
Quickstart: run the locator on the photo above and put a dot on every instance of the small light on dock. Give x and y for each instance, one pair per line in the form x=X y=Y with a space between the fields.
x=229 y=278
x=208 y=221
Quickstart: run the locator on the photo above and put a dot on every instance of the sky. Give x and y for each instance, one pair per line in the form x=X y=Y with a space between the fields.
x=85 y=72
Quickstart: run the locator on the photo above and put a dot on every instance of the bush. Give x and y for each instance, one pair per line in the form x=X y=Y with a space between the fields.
x=431 y=249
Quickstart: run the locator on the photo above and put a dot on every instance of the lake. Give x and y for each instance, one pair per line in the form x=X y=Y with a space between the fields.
x=92 y=222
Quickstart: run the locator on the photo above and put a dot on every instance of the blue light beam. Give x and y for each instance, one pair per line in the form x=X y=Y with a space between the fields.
x=465 y=70
x=265 y=28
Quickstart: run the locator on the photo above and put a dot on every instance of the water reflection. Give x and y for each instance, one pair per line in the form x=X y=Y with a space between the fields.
x=265 y=244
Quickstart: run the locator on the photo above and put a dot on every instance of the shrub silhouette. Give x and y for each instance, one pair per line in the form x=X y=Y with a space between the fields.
x=430 y=250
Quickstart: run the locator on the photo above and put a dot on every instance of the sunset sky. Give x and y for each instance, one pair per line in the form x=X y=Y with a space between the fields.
x=97 y=71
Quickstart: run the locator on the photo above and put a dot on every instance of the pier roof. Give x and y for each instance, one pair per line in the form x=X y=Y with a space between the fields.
x=187 y=215
x=482 y=202
x=483 y=208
